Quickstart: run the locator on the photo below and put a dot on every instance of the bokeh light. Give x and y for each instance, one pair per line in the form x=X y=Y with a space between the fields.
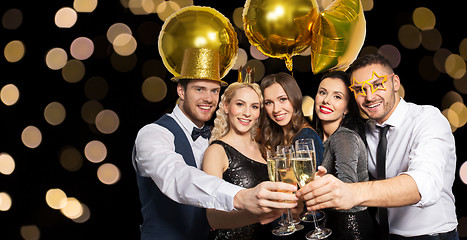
x=439 y=59
x=70 y=158
x=463 y=172
x=54 y=113
x=401 y=91
x=73 y=71
x=237 y=18
x=95 y=151
x=31 y=137
x=367 y=5
x=82 y=48
x=56 y=58
x=14 y=51
x=89 y=111
x=56 y=198
x=255 y=53
x=409 y=36
x=117 y=29
x=12 y=19
x=455 y=66
x=308 y=106
x=85 y=215
x=242 y=58
x=66 y=17
x=5 y=201
x=461 y=111
x=391 y=53
x=432 y=39
x=107 y=121
x=166 y=8
x=108 y=173
x=7 y=164
x=463 y=48
x=30 y=232
x=84 y=5
x=461 y=84
x=424 y=18
x=9 y=94
x=124 y=44
x=72 y=208
x=450 y=98
x=154 y=89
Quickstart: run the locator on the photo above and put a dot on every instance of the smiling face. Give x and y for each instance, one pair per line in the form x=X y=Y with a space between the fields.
x=243 y=110
x=380 y=87
x=331 y=100
x=277 y=104
x=199 y=100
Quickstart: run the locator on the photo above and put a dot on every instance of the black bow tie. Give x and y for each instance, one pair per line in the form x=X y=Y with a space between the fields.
x=205 y=132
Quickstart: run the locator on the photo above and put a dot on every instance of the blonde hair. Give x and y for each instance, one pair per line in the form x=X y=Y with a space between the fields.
x=221 y=123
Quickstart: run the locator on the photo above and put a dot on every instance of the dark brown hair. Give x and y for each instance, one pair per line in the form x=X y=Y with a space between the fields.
x=272 y=133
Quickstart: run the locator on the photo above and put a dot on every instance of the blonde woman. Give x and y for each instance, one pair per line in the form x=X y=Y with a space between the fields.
x=235 y=156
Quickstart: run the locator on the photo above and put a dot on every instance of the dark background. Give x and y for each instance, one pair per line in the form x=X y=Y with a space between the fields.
x=114 y=208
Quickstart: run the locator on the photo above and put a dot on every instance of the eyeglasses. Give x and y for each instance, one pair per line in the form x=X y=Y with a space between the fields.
x=374 y=85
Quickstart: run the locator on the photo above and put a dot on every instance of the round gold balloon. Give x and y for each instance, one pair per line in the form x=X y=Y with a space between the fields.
x=337 y=36
x=278 y=28
x=197 y=27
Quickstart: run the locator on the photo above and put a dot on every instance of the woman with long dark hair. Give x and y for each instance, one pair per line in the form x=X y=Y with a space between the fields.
x=283 y=122
x=339 y=124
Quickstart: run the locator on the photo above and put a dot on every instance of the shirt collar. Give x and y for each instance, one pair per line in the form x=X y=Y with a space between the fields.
x=396 y=118
x=186 y=123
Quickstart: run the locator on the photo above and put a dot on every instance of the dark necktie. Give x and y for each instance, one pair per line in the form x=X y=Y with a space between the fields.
x=204 y=132
x=381 y=174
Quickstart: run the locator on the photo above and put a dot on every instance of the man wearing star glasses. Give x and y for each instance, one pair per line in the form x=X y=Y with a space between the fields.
x=414 y=171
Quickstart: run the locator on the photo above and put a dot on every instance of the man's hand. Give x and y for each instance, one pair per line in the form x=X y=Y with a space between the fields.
x=266 y=200
x=327 y=192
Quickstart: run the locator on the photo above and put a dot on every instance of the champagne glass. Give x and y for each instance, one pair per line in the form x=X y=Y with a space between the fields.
x=310 y=216
x=282 y=230
x=286 y=174
x=304 y=166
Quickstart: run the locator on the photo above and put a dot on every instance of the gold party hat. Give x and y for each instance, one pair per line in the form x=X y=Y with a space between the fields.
x=200 y=63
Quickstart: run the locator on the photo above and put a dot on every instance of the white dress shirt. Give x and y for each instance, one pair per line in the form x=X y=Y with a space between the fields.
x=155 y=157
x=420 y=144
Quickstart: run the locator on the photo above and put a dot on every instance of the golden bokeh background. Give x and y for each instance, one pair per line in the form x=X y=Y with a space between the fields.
x=79 y=78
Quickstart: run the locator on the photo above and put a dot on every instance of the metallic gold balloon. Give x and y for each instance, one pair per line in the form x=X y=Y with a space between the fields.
x=337 y=36
x=197 y=27
x=278 y=28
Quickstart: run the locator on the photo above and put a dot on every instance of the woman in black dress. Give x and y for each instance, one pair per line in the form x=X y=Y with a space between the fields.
x=235 y=156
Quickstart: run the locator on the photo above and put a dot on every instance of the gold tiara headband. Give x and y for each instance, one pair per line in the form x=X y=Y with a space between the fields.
x=249 y=76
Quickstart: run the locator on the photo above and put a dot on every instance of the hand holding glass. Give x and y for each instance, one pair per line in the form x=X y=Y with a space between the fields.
x=304 y=166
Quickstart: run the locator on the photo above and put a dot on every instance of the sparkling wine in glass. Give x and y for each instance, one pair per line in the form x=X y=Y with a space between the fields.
x=286 y=174
x=304 y=166
x=271 y=158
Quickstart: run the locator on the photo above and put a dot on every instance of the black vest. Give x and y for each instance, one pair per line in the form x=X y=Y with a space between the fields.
x=164 y=218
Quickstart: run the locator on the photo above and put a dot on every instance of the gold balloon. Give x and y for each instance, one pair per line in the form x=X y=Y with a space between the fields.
x=337 y=36
x=278 y=28
x=197 y=27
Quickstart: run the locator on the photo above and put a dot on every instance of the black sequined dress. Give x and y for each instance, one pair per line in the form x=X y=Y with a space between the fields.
x=244 y=172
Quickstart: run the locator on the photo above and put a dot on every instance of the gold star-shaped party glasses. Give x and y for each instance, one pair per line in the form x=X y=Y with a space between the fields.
x=376 y=82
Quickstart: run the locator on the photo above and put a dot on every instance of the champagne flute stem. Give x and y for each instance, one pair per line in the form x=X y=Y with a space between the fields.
x=316 y=222
x=290 y=220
